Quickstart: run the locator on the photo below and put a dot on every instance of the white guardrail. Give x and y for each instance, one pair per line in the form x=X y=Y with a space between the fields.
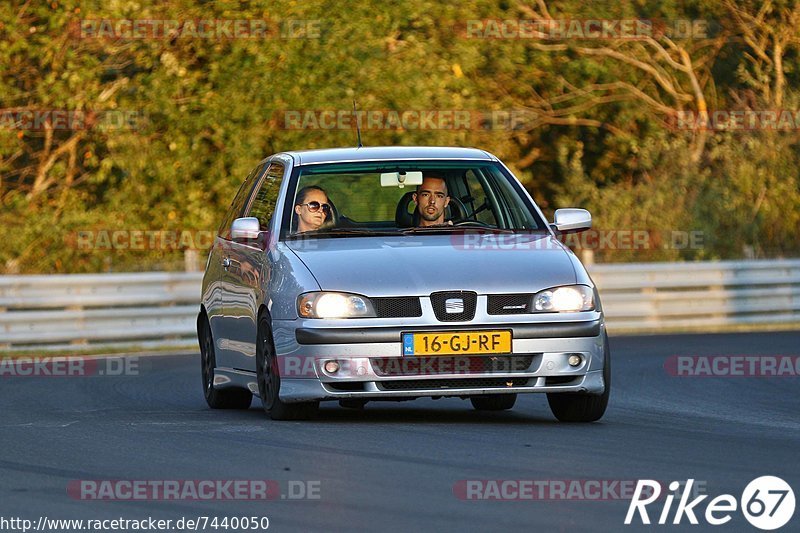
x=148 y=310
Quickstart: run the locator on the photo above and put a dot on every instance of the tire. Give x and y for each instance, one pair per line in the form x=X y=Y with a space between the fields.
x=217 y=398
x=493 y=402
x=576 y=407
x=269 y=380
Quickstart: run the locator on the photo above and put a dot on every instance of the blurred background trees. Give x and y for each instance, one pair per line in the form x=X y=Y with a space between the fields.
x=597 y=123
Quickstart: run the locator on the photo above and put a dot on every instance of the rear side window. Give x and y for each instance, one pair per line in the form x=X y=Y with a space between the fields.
x=263 y=202
x=237 y=206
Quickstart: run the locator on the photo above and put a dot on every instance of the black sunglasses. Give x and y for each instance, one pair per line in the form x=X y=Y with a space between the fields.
x=314 y=207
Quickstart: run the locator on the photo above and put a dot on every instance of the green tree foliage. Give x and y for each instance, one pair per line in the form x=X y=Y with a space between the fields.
x=180 y=121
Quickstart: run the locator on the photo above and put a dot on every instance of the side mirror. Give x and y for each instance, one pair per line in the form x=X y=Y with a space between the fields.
x=246 y=228
x=572 y=220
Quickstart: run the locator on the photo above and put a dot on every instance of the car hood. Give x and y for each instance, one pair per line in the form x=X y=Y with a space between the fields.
x=422 y=264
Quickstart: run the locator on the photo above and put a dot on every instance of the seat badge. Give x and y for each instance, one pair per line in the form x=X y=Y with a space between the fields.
x=454 y=305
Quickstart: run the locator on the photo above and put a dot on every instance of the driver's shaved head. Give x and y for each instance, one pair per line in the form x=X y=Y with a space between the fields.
x=432 y=176
x=431 y=199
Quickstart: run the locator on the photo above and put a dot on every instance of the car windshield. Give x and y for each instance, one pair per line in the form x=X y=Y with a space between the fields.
x=406 y=197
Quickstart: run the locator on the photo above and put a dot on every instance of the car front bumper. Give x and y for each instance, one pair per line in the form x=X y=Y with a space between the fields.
x=371 y=365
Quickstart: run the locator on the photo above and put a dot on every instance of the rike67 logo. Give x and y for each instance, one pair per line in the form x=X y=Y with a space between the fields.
x=767 y=503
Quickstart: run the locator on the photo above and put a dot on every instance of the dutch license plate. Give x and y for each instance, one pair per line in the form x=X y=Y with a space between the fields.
x=457 y=343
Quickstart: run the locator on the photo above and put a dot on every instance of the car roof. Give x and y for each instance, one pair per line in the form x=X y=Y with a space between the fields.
x=379 y=153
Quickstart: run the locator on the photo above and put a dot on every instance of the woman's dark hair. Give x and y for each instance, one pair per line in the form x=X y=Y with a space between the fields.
x=303 y=193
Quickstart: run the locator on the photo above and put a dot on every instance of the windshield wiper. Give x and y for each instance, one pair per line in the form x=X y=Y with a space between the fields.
x=451 y=229
x=419 y=230
x=343 y=232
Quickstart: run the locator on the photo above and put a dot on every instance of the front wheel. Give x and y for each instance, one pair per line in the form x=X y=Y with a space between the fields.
x=269 y=380
x=575 y=407
x=217 y=398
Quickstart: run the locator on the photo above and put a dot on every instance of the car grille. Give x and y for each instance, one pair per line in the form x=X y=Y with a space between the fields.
x=508 y=304
x=561 y=380
x=346 y=386
x=426 y=366
x=444 y=303
x=469 y=383
x=401 y=307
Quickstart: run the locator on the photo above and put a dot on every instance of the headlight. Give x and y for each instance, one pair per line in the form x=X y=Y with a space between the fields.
x=564 y=299
x=334 y=305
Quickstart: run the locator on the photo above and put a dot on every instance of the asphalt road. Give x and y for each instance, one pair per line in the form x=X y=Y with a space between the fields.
x=394 y=466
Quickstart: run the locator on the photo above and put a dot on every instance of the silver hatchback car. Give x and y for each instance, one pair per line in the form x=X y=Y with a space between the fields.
x=363 y=274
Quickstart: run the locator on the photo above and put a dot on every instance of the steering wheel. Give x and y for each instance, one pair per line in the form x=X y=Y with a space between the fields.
x=458 y=211
x=332 y=220
x=473 y=223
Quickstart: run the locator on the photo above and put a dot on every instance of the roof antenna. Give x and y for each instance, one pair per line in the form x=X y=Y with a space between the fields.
x=358 y=127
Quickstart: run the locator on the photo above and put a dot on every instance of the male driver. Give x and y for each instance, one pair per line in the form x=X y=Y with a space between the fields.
x=431 y=199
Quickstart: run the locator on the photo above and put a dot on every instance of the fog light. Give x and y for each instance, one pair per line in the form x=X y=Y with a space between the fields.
x=331 y=367
x=575 y=360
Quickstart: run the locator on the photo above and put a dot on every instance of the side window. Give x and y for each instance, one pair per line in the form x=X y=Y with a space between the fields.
x=235 y=209
x=263 y=202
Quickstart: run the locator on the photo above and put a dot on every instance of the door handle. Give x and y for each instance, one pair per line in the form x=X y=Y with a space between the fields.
x=226 y=262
